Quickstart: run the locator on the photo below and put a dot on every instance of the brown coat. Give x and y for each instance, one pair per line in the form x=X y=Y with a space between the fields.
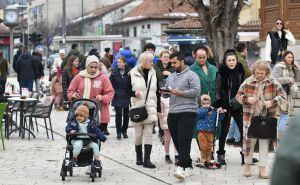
x=272 y=91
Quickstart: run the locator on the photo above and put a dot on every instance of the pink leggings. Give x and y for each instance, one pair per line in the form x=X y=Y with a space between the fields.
x=167 y=136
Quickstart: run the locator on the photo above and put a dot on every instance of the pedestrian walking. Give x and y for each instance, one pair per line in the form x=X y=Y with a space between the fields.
x=229 y=78
x=163 y=69
x=143 y=78
x=119 y=80
x=70 y=71
x=39 y=70
x=208 y=125
x=74 y=51
x=26 y=70
x=241 y=53
x=257 y=93
x=92 y=84
x=277 y=41
x=183 y=88
x=3 y=73
x=287 y=73
x=163 y=117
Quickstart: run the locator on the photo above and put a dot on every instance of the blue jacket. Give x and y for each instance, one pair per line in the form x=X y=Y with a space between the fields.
x=92 y=129
x=119 y=83
x=207 y=119
x=130 y=59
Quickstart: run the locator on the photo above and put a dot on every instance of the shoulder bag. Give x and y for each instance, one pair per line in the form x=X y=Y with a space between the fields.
x=140 y=114
x=262 y=126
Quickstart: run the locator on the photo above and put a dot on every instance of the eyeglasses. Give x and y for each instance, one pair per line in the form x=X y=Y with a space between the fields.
x=279 y=23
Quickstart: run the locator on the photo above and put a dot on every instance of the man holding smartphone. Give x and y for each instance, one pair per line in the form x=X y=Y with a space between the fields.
x=183 y=88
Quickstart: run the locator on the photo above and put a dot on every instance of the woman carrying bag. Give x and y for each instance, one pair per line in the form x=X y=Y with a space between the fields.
x=142 y=78
x=260 y=95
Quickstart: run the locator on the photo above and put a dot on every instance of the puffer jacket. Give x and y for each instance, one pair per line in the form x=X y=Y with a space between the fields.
x=92 y=129
x=207 y=118
x=25 y=67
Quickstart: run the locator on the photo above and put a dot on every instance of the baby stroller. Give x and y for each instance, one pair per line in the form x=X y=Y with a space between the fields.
x=85 y=158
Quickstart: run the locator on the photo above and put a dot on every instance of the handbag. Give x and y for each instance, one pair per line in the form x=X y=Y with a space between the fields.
x=262 y=126
x=234 y=104
x=140 y=113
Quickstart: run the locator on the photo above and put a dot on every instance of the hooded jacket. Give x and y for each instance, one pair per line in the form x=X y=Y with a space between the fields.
x=25 y=67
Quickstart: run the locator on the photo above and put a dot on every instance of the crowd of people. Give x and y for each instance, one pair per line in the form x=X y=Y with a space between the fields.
x=187 y=96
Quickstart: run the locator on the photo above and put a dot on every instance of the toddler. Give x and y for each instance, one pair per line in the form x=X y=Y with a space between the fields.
x=206 y=127
x=84 y=125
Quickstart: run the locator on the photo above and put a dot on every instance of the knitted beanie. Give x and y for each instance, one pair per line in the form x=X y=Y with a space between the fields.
x=82 y=110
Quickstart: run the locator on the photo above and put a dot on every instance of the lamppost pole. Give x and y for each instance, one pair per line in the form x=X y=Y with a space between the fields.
x=64 y=27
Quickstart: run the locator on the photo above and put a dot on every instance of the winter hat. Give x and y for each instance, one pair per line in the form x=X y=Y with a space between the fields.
x=90 y=59
x=82 y=110
x=62 y=51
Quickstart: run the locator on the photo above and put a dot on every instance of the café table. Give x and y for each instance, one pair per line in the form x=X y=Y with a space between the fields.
x=21 y=127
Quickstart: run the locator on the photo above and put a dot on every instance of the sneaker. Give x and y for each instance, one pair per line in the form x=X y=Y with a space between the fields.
x=200 y=164
x=230 y=141
x=188 y=172
x=168 y=159
x=125 y=135
x=214 y=165
x=221 y=159
x=97 y=164
x=179 y=173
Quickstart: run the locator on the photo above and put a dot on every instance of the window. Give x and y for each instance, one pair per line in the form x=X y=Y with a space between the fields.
x=148 y=26
x=127 y=32
x=134 y=31
x=143 y=26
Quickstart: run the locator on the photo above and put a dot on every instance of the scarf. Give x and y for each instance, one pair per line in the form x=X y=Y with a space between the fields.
x=75 y=71
x=87 y=82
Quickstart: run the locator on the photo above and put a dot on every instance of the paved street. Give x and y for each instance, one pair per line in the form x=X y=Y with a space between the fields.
x=38 y=161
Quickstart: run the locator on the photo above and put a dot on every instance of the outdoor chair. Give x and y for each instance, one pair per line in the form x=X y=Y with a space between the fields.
x=41 y=111
x=2 y=110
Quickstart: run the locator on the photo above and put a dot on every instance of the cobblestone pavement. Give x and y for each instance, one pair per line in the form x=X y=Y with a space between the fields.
x=38 y=162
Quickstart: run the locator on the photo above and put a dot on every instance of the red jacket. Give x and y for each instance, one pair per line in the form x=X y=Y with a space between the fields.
x=100 y=86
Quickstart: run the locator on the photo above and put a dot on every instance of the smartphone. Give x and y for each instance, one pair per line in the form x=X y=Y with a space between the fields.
x=165 y=90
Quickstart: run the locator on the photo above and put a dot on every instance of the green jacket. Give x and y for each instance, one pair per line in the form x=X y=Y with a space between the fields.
x=72 y=52
x=242 y=60
x=287 y=161
x=207 y=82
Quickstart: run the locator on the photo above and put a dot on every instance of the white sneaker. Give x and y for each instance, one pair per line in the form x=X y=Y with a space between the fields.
x=189 y=172
x=179 y=173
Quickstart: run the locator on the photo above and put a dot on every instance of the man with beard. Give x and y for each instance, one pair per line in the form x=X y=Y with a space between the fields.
x=183 y=88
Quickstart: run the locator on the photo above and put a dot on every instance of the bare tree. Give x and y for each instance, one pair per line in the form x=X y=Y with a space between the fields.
x=48 y=31
x=219 y=19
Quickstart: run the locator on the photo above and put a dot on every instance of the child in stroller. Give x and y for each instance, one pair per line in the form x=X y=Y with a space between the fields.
x=83 y=134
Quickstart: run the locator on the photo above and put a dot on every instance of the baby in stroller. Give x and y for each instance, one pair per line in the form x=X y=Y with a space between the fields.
x=83 y=125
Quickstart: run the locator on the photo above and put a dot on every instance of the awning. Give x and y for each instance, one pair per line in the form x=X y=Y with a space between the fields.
x=186 y=39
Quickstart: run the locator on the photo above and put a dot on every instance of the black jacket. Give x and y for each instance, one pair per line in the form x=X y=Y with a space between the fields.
x=159 y=69
x=119 y=83
x=67 y=77
x=38 y=67
x=227 y=84
x=25 y=67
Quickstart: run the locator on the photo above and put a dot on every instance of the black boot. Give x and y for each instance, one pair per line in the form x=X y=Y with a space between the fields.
x=139 y=154
x=105 y=131
x=221 y=157
x=243 y=157
x=147 y=162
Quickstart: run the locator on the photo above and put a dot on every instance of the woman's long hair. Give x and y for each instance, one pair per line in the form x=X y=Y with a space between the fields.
x=69 y=65
x=286 y=53
x=282 y=28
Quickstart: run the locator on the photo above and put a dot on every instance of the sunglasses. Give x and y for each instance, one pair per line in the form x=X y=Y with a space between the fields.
x=279 y=23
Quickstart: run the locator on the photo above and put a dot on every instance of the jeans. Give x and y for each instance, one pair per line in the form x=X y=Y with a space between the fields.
x=78 y=144
x=234 y=132
x=122 y=128
x=181 y=126
x=26 y=84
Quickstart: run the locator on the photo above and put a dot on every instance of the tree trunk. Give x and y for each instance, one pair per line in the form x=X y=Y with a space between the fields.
x=220 y=23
